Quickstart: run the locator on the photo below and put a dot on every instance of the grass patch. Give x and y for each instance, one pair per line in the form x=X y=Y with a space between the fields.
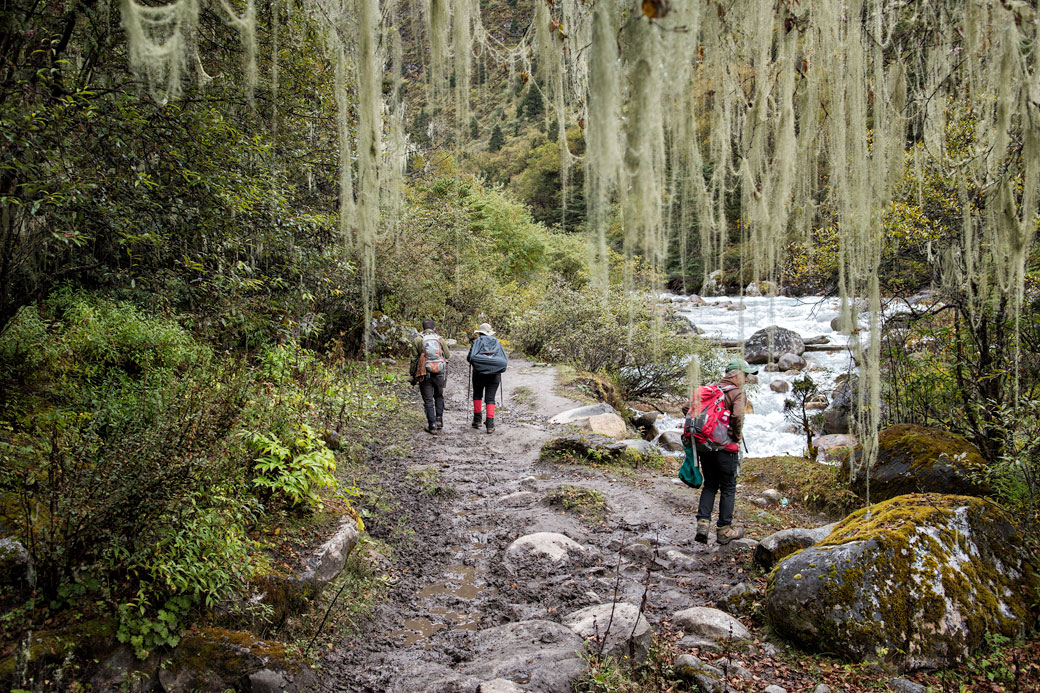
x=584 y=502
x=523 y=395
x=808 y=484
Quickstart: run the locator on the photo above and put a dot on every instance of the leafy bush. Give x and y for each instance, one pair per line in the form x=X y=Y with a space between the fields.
x=622 y=335
x=298 y=471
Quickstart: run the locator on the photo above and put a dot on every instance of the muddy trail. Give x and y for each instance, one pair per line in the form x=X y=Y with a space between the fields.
x=451 y=583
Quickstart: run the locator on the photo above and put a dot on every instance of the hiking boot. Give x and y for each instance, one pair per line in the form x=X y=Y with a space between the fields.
x=432 y=429
x=490 y=424
x=439 y=425
x=728 y=533
x=476 y=419
x=702 y=531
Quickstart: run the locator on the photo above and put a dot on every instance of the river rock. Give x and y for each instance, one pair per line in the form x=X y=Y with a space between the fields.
x=711 y=623
x=791 y=362
x=785 y=542
x=917 y=459
x=642 y=420
x=544 y=654
x=620 y=626
x=541 y=548
x=757 y=348
x=841 y=412
x=610 y=425
x=576 y=415
x=739 y=600
x=671 y=441
x=213 y=659
x=834 y=448
x=924 y=578
x=780 y=386
x=640 y=446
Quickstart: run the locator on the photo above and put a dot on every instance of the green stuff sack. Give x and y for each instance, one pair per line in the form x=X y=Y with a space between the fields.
x=690 y=471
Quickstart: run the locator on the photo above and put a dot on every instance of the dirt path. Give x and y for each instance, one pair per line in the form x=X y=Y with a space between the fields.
x=450 y=581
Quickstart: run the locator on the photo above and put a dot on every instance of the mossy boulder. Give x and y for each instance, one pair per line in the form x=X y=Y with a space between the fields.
x=918 y=459
x=580 y=447
x=785 y=542
x=917 y=580
x=47 y=653
x=215 y=659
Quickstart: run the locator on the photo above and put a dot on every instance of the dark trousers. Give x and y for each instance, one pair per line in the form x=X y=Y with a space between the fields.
x=432 y=390
x=485 y=386
x=720 y=476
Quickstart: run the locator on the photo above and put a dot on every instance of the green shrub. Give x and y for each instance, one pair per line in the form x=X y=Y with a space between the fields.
x=296 y=471
x=623 y=335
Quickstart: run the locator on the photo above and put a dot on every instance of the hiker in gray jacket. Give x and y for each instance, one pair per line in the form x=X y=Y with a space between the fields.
x=489 y=361
x=430 y=370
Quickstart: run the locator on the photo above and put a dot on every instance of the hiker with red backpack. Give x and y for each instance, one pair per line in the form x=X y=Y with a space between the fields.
x=714 y=423
x=488 y=360
x=430 y=371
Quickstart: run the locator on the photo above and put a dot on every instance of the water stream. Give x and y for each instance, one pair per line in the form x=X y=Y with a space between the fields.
x=766 y=430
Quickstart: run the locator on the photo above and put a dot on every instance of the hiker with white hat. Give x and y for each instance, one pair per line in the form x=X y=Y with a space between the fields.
x=489 y=361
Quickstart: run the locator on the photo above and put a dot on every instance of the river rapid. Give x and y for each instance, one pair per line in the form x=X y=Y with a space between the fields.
x=767 y=430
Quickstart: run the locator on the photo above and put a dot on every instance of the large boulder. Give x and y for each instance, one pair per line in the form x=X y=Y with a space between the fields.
x=15 y=566
x=917 y=459
x=785 y=542
x=918 y=580
x=610 y=425
x=834 y=448
x=770 y=343
x=841 y=412
x=578 y=446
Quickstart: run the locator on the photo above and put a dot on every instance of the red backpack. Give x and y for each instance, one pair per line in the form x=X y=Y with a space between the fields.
x=707 y=422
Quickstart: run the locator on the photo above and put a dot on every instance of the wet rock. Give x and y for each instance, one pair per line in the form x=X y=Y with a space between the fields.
x=761 y=288
x=643 y=420
x=520 y=499
x=535 y=550
x=711 y=623
x=816 y=341
x=758 y=349
x=901 y=685
x=771 y=368
x=817 y=403
x=736 y=307
x=791 y=362
x=739 y=600
x=610 y=425
x=834 y=448
x=576 y=415
x=529 y=483
x=841 y=412
x=14 y=566
x=214 y=659
x=785 y=542
x=544 y=654
x=620 y=626
x=912 y=459
x=671 y=440
x=706 y=677
x=908 y=580
x=780 y=386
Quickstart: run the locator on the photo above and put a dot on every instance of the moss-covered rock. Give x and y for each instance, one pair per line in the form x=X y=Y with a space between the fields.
x=917 y=580
x=57 y=654
x=214 y=659
x=785 y=542
x=917 y=459
x=579 y=447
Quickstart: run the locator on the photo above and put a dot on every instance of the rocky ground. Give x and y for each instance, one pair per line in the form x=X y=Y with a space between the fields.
x=470 y=608
x=453 y=584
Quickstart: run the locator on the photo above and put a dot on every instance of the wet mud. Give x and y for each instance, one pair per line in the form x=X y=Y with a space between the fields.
x=450 y=582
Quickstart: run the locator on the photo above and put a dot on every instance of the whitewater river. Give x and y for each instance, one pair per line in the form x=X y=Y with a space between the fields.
x=809 y=317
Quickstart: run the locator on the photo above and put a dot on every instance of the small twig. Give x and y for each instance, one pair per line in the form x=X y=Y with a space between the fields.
x=324 y=618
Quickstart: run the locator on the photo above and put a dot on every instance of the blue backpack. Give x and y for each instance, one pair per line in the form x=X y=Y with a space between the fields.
x=487 y=356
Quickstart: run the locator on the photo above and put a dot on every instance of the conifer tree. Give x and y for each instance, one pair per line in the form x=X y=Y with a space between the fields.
x=497 y=139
